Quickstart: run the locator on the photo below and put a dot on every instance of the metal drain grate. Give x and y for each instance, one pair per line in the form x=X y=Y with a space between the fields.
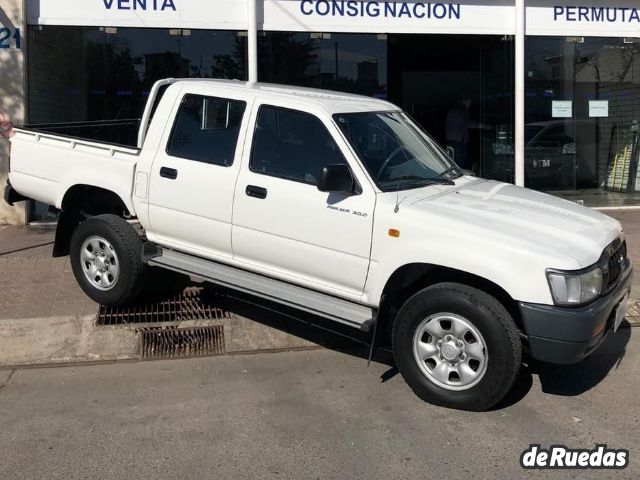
x=167 y=343
x=193 y=303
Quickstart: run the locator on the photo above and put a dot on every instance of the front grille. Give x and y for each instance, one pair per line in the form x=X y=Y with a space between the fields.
x=615 y=265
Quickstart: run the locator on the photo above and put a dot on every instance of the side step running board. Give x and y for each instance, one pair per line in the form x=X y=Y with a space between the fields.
x=343 y=311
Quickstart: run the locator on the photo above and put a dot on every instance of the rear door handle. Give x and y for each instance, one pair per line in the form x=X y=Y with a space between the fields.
x=256 y=192
x=170 y=173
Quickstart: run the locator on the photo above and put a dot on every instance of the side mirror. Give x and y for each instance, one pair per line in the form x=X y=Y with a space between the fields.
x=336 y=178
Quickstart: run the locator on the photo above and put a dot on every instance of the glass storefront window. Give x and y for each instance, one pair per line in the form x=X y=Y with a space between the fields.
x=583 y=118
x=426 y=75
x=460 y=89
x=346 y=62
x=93 y=73
x=94 y=82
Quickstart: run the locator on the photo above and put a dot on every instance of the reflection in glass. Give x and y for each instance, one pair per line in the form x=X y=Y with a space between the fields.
x=94 y=82
x=337 y=61
x=591 y=156
x=432 y=76
x=88 y=73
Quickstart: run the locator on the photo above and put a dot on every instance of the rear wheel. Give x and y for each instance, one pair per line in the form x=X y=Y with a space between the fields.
x=106 y=259
x=457 y=346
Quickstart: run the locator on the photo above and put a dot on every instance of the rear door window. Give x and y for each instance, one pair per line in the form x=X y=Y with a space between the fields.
x=207 y=129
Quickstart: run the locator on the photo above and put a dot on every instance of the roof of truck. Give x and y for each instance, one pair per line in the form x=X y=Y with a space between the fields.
x=333 y=102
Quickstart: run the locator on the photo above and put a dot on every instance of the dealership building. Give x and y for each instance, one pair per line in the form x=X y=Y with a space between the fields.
x=553 y=85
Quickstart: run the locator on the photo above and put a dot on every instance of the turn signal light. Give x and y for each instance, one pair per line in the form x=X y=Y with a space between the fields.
x=598 y=329
x=394 y=233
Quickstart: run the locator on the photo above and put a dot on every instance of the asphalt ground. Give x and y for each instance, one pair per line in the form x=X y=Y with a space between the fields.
x=320 y=414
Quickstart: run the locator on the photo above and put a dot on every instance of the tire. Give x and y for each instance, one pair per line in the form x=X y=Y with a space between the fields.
x=477 y=360
x=114 y=274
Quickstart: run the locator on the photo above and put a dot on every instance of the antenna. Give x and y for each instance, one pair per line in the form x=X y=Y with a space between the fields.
x=398 y=202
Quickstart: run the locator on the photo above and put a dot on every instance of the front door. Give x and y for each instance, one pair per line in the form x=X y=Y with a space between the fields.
x=283 y=224
x=193 y=178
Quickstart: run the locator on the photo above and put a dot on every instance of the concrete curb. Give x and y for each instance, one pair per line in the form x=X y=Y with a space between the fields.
x=76 y=339
x=36 y=341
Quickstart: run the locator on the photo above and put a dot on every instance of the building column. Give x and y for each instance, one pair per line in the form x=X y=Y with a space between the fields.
x=252 y=38
x=12 y=94
x=520 y=92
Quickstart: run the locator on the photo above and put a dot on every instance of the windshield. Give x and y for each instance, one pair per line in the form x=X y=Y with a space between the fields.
x=395 y=151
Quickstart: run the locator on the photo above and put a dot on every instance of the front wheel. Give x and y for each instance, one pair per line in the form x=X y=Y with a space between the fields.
x=106 y=258
x=457 y=347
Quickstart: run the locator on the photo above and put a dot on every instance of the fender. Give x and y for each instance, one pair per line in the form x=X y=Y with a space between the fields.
x=517 y=272
x=118 y=190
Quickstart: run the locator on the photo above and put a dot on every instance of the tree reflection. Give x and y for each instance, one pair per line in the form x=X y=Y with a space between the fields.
x=112 y=81
x=231 y=65
x=287 y=57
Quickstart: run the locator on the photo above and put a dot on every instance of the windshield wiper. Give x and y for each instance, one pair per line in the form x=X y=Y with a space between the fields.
x=452 y=169
x=420 y=181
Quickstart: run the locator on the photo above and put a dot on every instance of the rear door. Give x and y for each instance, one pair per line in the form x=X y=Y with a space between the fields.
x=194 y=174
x=285 y=226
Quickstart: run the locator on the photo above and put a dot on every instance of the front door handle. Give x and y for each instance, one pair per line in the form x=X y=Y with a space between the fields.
x=170 y=173
x=256 y=192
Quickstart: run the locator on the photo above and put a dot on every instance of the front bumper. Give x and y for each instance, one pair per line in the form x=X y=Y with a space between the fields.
x=11 y=196
x=568 y=335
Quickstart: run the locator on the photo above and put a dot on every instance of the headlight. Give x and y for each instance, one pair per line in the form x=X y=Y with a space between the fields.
x=575 y=289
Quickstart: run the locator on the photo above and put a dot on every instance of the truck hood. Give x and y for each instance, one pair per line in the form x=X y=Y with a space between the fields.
x=524 y=219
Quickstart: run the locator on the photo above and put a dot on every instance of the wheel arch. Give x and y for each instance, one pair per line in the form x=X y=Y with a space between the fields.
x=410 y=278
x=81 y=201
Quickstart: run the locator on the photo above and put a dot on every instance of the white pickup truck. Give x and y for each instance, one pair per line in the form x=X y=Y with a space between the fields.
x=339 y=205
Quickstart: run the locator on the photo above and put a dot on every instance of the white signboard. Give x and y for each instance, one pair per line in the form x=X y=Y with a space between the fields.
x=211 y=14
x=372 y=16
x=380 y=16
x=561 y=108
x=544 y=17
x=599 y=108
x=619 y=18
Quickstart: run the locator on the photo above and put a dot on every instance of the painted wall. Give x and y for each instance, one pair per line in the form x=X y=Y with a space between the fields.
x=11 y=93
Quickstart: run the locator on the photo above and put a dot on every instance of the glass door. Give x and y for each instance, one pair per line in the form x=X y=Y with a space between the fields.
x=460 y=89
x=550 y=153
x=497 y=110
x=582 y=118
x=607 y=119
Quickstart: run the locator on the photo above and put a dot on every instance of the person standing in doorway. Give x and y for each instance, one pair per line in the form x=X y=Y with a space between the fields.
x=458 y=124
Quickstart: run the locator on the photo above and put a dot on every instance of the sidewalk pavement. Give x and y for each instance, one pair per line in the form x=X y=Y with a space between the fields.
x=35 y=285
